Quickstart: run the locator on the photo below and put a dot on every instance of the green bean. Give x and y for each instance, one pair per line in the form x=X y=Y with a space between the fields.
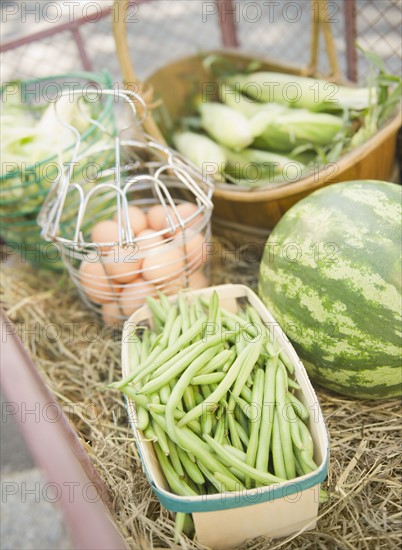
x=232 y=319
x=145 y=346
x=233 y=461
x=246 y=393
x=210 y=477
x=287 y=362
x=233 y=434
x=191 y=443
x=207 y=422
x=162 y=439
x=192 y=315
x=299 y=469
x=242 y=434
x=157 y=310
x=292 y=419
x=198 y=397
x=199 y=311
x=244 y=406
x=164 y=301
x=142 y=418
x=236 y=452
x=176 y=484
x=164 y=394
x=283 y=423
x=293 y=384
x=285 y=376
x=267 y=416
x=175 y=331
x=299 y=408
x=228 y=483
x=208 y=378
x=180 y=388
x=252 y=350
x=272 y=349
x=174 y=457
x=241 y=418
x=219 y=361
x=147 y=366
x=154 y=397
x=154 y=341
x=277 y=453
x=160 y=409
x=134 y=353
x=306 y=463
x=257 y=399
x=213 y=307
x=169 y=324
x=184 y=311
x=188 y=397
x=240 y=475
x=254 y=318
x=308 y=445
x=139 y=400
x=179 y=526
x=206 y=392
x=240 y=345
x=243 y=361
x=219 y=433
x=229 y=362
x=190 y=467
x=150 y=434
x=173 y=368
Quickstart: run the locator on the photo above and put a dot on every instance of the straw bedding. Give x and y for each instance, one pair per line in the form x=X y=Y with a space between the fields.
x=77 y=356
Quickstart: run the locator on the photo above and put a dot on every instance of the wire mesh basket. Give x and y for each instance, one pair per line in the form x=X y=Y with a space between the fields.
x=26 y=178
x=141 y=229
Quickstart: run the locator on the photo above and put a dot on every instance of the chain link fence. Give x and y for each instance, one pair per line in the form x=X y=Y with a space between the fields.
x=160 y=31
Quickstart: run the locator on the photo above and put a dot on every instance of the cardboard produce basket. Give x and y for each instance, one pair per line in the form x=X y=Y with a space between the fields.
x=224 y=520
x=259 y=209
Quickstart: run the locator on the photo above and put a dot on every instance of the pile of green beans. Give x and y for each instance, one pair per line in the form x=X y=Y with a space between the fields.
x=215 y=394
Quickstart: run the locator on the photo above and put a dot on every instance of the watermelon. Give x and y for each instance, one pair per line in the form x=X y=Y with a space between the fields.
x=331 y=276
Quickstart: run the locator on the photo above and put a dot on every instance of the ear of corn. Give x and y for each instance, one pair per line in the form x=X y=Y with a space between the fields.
x=299 y=127
x=254 y=166
x=301 y=92
x=227 y=126
x=201 y=150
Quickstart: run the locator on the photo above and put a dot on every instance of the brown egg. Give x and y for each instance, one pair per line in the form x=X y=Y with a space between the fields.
x=137 y=219
x=133 y=296
x=197 y=280
x=122 y=263
x=165 y=263
x=186 y=210
x=111 y=313
x=147 y=240
x=94 y=281
x=193 y=246
x=106 y=231
x=172 y=287
x=157 y=219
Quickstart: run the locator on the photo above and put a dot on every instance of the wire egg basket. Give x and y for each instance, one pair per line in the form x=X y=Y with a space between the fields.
x=134 y=226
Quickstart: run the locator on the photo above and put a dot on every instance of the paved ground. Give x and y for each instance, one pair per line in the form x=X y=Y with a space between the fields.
x=157 y=34
x=29 y=519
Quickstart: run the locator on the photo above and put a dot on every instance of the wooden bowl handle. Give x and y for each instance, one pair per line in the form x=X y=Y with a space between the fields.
x=321 y=22
x=130 y=80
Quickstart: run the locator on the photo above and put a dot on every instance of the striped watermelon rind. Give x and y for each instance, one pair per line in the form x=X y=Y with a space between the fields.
x=331 y=276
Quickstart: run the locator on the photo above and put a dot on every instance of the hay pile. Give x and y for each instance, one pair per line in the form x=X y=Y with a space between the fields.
x=77 y=355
